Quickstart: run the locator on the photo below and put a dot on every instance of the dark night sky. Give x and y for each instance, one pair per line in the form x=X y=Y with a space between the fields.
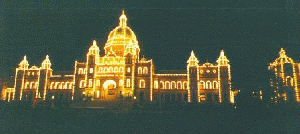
x=251 y=33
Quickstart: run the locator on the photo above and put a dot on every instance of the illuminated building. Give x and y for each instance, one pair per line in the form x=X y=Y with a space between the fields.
x=284 y=79
x=121 y=72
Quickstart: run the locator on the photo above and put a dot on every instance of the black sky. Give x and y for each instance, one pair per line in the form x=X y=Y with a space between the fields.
x=251 y=33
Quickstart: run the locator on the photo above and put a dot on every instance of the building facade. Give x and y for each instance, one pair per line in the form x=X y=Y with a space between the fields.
x=284 y=79
x=121 y=73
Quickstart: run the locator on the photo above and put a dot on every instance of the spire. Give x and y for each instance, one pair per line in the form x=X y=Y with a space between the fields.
x=94 y=49
x=222 y=60
x=24 y=63
x=282 y=52
x=46 y=63
x=193 y=61
x=123 y=19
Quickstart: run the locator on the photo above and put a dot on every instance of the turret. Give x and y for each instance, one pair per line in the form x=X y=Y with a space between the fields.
x=24 y=64
x=19 y=78
x=224 y=78
x=192 y=66
x=92 y=60
x=45 y=74
x=46 y=64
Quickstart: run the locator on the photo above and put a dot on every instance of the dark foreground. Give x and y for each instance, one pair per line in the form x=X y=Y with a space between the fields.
x=204 y=119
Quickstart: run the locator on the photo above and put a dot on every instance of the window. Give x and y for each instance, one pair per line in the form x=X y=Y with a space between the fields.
x=91 y=70
x=215 y=85
x=66 y=85
x=128 y=70
x=100 y=69
x=142 y=83
x=139 y=70
x=82 y=84
x=116 y=69
x=173 y=85
x=145 y=70
x=52 y=85
x=121 y=69
x=167 y=85
x=121 y=82
x=85 y=71
x=90 y=82
x=56 y=85
x=208 y=85
x=105 y=69
x=127 y=82
x=202 y=85
x=27 y=85
x=71 y=85
x=179 y=85
x=185 y=85
x=155 y=84
x=111 y=69
x=31 y=85
x=98 y=83
x=161 y=84
x=62 y=85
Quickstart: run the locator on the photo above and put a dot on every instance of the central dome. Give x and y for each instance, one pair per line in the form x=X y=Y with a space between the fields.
x=120 y=37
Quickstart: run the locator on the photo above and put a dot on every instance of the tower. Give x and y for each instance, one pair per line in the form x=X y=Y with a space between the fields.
x=91 y=61
x=224 y=78
x=44 y=79
x=192 y=66
x=19 y=78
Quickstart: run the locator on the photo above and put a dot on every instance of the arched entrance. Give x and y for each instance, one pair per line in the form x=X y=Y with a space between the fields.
x=109 y=90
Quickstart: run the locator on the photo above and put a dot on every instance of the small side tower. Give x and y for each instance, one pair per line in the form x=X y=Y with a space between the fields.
x=224 y=78
x=45 y=74
x=91 y=61
x=192 y=66
x=19 y=78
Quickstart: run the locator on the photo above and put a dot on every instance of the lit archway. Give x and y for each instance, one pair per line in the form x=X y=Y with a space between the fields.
x=109 y=89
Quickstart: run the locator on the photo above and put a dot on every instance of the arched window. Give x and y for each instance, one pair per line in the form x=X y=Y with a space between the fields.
x=167 y=85
x=208 y=85
x=173 y=85
x=179 y=85
x=127 y=82
x=139 y=70
x=52 y=85
x=215 y=83
x=185 y=85
x=82 y=83
x=85 y=71
x=116 y=69
x=145 y=70
x=36 y=85
x=142 y=83
x=161 y=85
x=155 y=84
x=56 y=85
x=128 y=70
x=110 y=70
x=98 y=83
x=121 y=69
x=121 y=82
x=202 y=85
x=100 y=69
x=105 y=69
x=31 y=85
x=62 y=85
x=66 y=85
x=289 y=81
x=80 y=71
x=71 y=85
